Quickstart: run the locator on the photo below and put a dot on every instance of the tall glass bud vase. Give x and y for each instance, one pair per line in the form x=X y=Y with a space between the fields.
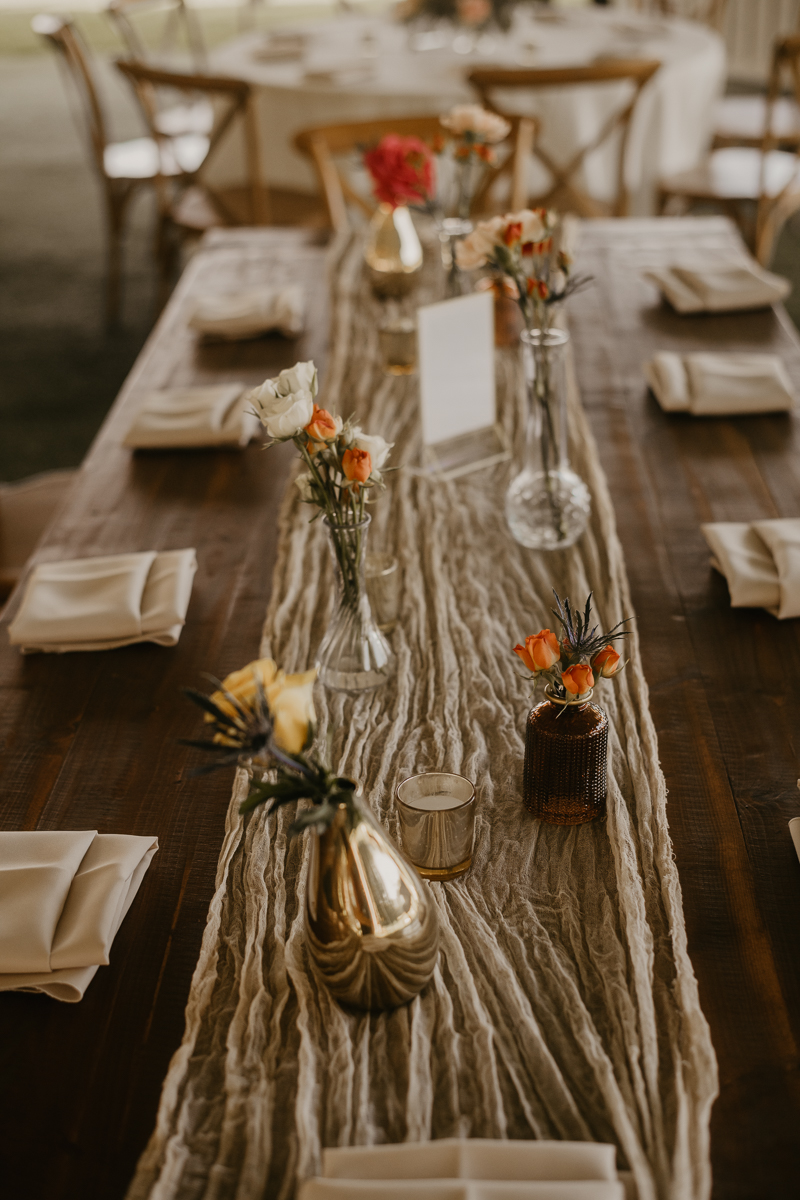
x=547 y=504
x=354 y=655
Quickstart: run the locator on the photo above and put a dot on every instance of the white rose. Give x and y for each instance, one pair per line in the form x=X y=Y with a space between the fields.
x=533 y=227
x=302 y=377
x=283 y=416
x=474 y=250
x=471 y=118
x=304 y=484
x=376 y=446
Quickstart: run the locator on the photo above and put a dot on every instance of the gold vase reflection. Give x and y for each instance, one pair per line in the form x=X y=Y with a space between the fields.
x=392 y=252
x=371 y=925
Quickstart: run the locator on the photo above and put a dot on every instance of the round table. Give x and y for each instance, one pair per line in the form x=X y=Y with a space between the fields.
x=357 y=67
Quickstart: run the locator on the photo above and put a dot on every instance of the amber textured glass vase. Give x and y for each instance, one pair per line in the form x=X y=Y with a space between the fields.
x=565 y=762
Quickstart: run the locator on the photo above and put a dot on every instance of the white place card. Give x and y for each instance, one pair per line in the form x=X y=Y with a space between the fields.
x=455 y=348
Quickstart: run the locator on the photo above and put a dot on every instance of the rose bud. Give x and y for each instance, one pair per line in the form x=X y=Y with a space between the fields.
x=322 y=427
x=357 y=465
x=606 y=662
x=578 y=679
x=540 y=651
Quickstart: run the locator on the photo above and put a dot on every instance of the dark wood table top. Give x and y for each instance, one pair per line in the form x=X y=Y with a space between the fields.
x=89 y=741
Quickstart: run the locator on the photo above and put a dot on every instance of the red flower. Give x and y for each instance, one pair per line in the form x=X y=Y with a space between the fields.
x=401 y=169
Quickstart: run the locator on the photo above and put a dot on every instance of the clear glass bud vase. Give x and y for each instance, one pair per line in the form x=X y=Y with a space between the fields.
x=354 y=655
x=547 y=504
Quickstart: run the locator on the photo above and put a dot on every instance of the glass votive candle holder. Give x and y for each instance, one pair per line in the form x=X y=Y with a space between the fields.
x=398 y=344
x=382 y=573
x=437 y=823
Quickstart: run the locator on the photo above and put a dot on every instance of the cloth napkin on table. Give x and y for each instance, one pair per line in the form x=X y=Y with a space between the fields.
x=719 y=287
x=63 y=897
x=716 y=385
x=193 y=417
x=761 y=562
x=105 y=602
x=243 y=315
x=469 y=1169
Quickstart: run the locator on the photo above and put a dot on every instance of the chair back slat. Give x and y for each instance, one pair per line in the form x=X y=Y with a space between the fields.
x=565 y=191
x=135 y=18
x=73 y=52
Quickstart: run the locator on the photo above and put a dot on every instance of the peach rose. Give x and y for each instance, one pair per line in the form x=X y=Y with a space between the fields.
x=357 y=464
x=323 y=427
x=606 y=662
x=578 y=679
x=540 y=652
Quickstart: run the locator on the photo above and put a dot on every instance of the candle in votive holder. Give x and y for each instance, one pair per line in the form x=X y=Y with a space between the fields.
x=437 y=823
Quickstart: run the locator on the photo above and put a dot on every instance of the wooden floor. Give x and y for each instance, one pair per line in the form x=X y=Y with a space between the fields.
x=89 y=741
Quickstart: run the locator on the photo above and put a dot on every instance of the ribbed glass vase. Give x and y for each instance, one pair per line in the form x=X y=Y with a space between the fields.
x=566 y=749
x=354 y=655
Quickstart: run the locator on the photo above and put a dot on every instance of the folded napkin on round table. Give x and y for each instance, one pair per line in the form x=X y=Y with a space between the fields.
x=761 y=562
x=716 y=385
x=192 y=417
x=105 y=602
x=719 y=286
x=468 y=1169
x=455 y=1189
x=248 y=314
x=63 y=896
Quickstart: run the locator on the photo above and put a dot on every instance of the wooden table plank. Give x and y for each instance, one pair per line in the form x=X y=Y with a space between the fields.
x=90 y=741
x=725 y=683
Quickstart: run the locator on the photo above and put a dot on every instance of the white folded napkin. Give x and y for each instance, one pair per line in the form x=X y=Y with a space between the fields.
x=719 y=286
x=193 y=416
x=715 y=385
x=761 y=562
x=105 y=602
x=63 y=897
x=473 y=1158
x=794 y=830
x=243 y=315
x=456 y=1189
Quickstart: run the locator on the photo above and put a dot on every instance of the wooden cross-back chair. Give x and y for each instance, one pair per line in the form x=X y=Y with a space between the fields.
x=565 y=192
x=123 y=167
x=201 y=206
x=325 y=144
x=741 y=179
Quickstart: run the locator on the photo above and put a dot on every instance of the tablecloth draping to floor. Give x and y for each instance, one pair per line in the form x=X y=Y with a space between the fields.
x=564 y=1004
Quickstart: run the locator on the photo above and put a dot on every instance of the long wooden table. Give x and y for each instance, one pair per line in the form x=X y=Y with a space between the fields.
x=90 y=741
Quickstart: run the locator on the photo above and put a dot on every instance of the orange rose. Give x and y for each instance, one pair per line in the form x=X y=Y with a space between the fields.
x=357 y=465
x=512 y=232
x=540 y=652
x=578 y=679
x=606 y=662
x=322 y=427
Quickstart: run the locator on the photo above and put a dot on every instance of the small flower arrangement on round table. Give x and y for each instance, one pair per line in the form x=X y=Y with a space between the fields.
x=566 y=737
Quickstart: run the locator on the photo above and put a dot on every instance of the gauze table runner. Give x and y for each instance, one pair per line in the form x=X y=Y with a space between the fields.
x=564 y=1004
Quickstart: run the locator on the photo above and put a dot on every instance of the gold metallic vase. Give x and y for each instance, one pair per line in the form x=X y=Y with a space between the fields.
x=371 y=925
x=392 y=252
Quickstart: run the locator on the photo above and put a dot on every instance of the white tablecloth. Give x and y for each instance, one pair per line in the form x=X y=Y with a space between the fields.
x=381 y=75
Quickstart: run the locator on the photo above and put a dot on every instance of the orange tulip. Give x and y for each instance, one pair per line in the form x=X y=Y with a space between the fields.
x=322 y=427
x=357 y=465
x=577 y=679
x=540 y=652
x=606 y=662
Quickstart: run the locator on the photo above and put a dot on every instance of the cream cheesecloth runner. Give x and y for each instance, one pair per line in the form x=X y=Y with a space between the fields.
x=564 y=1004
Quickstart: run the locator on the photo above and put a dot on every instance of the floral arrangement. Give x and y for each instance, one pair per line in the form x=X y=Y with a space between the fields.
x=571 y=664
x=263 y=720
x=344 y=463
x=402 y=170
x=529 y=248
x=474 y=14
x=475 y=132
